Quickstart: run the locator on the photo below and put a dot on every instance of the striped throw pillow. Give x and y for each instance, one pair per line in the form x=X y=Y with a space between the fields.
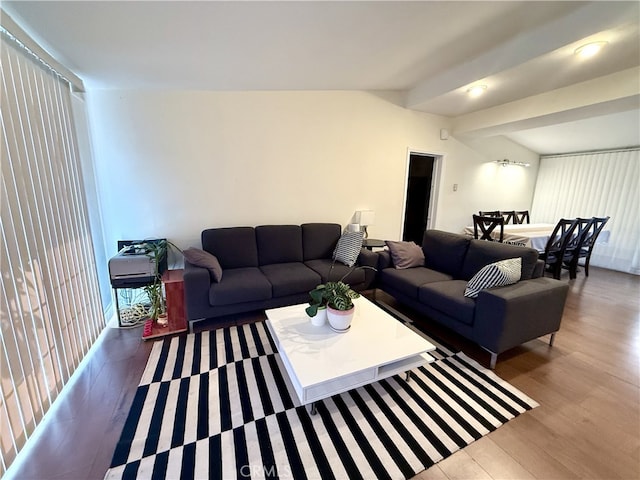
x=348 y=248
x=498 y=274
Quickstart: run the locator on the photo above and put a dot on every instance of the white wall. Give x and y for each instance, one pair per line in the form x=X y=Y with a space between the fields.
x=171 y=163
x=486 y=185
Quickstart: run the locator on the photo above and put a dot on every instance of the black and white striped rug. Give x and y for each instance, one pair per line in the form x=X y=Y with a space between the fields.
x=219 y=404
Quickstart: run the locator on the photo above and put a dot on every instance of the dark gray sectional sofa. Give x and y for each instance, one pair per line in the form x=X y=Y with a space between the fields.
x=268 y=266
x=499 y=318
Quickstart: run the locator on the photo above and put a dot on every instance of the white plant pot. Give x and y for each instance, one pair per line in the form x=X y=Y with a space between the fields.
x=320 y=318
x=340 y=320
x=163 y=320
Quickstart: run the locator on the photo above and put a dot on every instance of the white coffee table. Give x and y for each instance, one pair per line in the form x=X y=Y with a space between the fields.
x=322 y=363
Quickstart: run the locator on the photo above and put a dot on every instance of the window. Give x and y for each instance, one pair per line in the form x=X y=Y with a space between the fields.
x=50 y=309
x=595 y=184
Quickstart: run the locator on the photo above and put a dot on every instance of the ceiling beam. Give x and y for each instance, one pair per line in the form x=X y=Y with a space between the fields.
x=613 y=93
x=587 y=20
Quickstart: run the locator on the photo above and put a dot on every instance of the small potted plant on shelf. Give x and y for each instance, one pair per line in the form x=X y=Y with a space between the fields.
x=157 y=251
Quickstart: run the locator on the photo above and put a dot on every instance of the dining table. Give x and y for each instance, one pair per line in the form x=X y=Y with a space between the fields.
x=533 y=235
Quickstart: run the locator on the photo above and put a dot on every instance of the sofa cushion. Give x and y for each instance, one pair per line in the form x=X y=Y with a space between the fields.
x=279 y=244
x=234 y=247
x=348 y=248
x=448 y=298
x=203 y=259
x=408 y=281
x=319 y=239
x=290 y=278
x=240 y=285
x=445 y=251
x=498 y=274
x=405 y=254
x=483 y=253
x=354 y=276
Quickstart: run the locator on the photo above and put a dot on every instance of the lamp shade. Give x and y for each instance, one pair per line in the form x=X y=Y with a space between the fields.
x=367 y=217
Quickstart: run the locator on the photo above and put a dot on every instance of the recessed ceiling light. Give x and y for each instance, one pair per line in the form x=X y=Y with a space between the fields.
x=588 y=50
x=476 y=90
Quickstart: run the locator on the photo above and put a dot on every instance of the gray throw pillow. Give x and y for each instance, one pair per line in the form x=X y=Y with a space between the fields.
x=498 y=274
x=203 y=259
x=348 y=248
x=405 y=254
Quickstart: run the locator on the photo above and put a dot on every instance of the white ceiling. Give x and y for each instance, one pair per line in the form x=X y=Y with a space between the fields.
x=539 y=93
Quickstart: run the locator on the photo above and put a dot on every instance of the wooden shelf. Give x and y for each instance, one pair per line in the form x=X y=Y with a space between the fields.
x=174 y=289
x=153 y=330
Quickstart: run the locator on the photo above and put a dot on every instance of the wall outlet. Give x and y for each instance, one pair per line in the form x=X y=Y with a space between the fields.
x=455 y=187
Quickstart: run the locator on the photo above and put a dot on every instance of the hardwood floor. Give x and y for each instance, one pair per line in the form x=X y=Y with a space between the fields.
x=587 y=384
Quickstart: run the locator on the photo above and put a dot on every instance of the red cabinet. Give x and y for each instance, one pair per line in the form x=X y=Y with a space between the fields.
x=177 y=318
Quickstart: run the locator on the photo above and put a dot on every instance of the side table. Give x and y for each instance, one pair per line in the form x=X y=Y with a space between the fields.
x=370 y=243
x=176 y=314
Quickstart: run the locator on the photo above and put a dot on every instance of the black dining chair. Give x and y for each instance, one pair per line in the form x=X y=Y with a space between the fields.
x=490 y=213
x=521 y=216
x=554 y=251
x=571 y=254
x=585 y=245
x=486 y=225
x=509 y=216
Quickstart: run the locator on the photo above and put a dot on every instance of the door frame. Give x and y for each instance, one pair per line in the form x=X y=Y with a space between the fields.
x=435 y=185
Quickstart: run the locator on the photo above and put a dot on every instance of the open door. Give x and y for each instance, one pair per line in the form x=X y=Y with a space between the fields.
x=418 y=196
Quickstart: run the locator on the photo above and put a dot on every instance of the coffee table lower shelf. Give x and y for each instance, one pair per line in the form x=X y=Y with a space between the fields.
x=357 y=379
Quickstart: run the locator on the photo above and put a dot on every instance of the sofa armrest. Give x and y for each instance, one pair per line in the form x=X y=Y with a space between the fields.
x=384 y=260
x=367 y=258
x=197 y=283
x=538 y=270
x=509 y=316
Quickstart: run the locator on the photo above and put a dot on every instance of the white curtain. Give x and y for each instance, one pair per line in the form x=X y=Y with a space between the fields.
x=50 y=310
x=596 y=184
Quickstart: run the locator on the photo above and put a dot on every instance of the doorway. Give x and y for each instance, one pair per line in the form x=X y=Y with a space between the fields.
x=420 y=174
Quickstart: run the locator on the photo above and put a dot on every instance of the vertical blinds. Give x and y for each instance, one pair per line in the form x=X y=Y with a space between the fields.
x=50 y=310
x=595 y=184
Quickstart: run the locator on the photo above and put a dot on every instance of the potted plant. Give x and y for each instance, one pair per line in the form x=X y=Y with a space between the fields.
x=340 y=308
x=336 y=298
x=157 y=250
x=317 y=308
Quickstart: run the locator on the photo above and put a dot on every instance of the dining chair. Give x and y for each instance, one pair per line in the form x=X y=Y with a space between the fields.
x=554 y=251
x=585 y=247
x=521 y=216
x=509 y=217
x=572 y=252
x=486 y=225
x=490 y=213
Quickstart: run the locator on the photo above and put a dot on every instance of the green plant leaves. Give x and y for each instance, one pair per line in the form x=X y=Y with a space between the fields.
x=339 y=295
